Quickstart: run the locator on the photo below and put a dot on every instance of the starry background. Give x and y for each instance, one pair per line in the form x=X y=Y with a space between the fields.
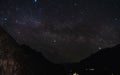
x=63 y=30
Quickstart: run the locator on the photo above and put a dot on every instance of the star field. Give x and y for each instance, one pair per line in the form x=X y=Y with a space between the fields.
x=63 y=30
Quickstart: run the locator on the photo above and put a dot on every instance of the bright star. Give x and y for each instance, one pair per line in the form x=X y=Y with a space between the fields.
x=35 y=1
x=5 y=19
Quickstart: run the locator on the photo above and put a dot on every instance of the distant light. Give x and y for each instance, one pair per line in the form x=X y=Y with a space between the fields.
x=112 y=74
x=91 y=69
x=75 y=73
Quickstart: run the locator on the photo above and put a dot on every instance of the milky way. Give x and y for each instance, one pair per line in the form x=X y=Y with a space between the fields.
x=63 y=30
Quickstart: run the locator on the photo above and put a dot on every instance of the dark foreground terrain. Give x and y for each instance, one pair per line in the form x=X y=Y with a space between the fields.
x=103 y=62
x=22 y=60
x=18 y=59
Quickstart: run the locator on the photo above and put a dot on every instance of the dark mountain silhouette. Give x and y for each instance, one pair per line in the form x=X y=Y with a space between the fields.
x=35 y=63
x=22 y=60
x=8 y=49
x=103 y=62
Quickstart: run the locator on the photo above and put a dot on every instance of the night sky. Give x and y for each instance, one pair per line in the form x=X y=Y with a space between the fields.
x=63 y=30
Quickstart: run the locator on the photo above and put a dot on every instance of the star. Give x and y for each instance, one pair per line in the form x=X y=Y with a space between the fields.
x=16 y=9
x=19 y=32
x=5 y=19
x=99 y=48
x=35 y=1
x=16 y=21
x=116 y=19
x=54 y=41
x=75 y=4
